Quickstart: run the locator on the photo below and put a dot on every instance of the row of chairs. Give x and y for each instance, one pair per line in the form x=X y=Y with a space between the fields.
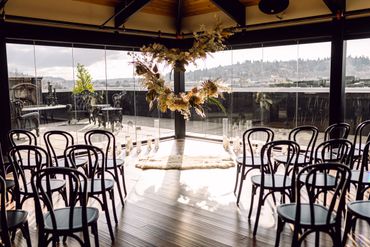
x=92 y=160
x=331 y=152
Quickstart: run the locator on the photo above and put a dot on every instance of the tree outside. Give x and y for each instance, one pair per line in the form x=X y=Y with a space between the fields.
x=83 y=82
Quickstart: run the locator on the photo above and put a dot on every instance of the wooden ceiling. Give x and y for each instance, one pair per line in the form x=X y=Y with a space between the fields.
x=168 y=7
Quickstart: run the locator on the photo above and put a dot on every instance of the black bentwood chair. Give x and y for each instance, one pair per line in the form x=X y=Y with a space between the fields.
x=59 y=140
x=251 y=158
x=114 y=166
x=361 y=177
x=15 y=134
x=337 y=130
x=10 y=184
x=64 y=221
x=271 y=179
x=311 y=216
x=97 y=184
x=29 y=159
x=11 y=220
x=306 y=137
x=361 y=138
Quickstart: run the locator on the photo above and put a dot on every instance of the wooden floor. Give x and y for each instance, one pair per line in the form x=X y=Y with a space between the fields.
x=187 y=208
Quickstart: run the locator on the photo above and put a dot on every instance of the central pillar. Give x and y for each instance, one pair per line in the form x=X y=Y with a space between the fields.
x=179 y=87
x=5 y=123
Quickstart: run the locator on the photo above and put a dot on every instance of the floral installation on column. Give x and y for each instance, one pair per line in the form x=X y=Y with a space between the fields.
x=205 y=42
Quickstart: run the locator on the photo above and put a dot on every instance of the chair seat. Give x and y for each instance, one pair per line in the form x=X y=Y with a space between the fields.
x=322 y=180
x=355 y=178
x=248 y=161
x=279 y=181
x=361 y=208
x=79 y=162
x=96 y=188
x=302 y=159
x=110 y=163
x=15 y=218
x=55 y=185
x=288 y=213
x=9 y=183
x=62 y=218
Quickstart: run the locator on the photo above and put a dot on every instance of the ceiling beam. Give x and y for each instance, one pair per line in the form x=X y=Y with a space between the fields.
x=123 y=12
x=179 y=13
x=2 y=3
x=336 y=6
x=233 y=8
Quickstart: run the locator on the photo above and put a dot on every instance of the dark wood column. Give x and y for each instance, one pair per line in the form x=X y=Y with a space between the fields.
x=179 y=86
x=5 y=123
x=337 y=74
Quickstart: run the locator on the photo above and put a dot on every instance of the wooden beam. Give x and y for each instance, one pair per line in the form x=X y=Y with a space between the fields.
x=233 y=8
x=179 y=13
x=123 y=12
x=336 y=6
x=2 y=3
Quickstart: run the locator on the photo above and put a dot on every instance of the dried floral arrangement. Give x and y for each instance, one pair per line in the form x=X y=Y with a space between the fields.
x=208 y=41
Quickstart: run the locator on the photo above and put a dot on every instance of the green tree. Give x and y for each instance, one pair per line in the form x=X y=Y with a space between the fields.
x=83 y=82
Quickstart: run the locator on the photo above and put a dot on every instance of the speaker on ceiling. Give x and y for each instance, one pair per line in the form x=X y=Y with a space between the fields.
x=273 y=6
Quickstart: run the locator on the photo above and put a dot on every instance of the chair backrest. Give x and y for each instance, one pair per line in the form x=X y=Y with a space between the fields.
x=117 y=99
x=362 y=187
x=336 y=150
x=76 y=183
x=361 y=134
x=4 y=222
x=27 y=158
x=15 y=134
x=306 y=189
x=287 y=151
x=57 y=139
x=336 y=131
x=95 y=160
x=305 y=136
x=102 y=139
x=250 y=136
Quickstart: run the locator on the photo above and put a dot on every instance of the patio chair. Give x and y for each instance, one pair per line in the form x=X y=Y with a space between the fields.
x=308 y=214
x=67 y=220
x=11 y=220
x=114 y=166
x=97 y=184
x=361 y=138
x=28 y=121
x=270 y=179
x=80 y=107
x=251 y=158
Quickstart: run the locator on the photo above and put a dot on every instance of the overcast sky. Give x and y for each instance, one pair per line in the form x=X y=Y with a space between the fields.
x=59 y=61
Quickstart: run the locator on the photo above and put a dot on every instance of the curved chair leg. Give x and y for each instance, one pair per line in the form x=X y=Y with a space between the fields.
x=85 y=233
x=347 y=226
x=259 y=206
x=295 y=241
x=5 y=239
x=116 y=178
x=237 y=178
x=280 y=227
x=254 y=188
x=94 y=229
x=107 y=216
x=113 y=206
x=26 y=233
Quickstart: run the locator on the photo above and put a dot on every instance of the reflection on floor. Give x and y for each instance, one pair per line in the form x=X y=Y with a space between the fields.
x=187 y=208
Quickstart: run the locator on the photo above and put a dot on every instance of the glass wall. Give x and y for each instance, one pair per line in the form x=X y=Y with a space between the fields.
x=280 y=87
x=357 y=82
x=78 y=89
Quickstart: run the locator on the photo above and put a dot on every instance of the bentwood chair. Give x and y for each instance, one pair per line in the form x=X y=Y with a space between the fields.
x=361 y=177
x=361 y=138
x=251 y=159
x=67 y=220
x=10 y=184
x=337 y=130
x=97 y=184
x=114 y=166
x=56 y=142
x=306 y=137
x=26 y=160
x=11 y=220
x=307 y=214
x=272 y=180
x=15 y=134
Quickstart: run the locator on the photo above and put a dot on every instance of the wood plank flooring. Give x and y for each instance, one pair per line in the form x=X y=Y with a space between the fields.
x=188 y=208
